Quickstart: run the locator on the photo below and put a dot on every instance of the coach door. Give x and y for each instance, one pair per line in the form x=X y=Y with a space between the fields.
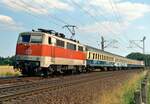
x=53 y=40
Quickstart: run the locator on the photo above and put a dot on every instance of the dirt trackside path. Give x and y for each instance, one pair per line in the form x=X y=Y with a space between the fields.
x=106 y=90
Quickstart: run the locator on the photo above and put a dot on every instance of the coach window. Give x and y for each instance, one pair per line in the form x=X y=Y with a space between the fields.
x=100 y=57
x=49 y=40
x=71 y=46
x=93 y=55
x=80 y=48
x=60 y=43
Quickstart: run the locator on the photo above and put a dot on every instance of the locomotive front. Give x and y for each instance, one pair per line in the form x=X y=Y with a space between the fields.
x=29 y=52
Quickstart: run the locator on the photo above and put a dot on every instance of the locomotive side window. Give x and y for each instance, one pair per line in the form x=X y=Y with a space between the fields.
x=80 y=48
x=36 y=39
x=60 y=43
x=71 y=46
x=49 y=40
x=89 y=55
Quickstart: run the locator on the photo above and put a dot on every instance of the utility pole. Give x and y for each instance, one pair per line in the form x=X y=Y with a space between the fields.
x=143 y=40
x=104 y=45
x=71 y=29
x=139 y=46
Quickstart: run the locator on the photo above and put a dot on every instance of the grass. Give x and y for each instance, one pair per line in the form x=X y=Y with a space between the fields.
x=8 y=71
x=148 y=96
x=124 y=92
x=130 y=88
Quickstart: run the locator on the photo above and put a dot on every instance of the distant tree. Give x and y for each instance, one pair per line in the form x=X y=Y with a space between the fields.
x=141 y=57
x=7 y=60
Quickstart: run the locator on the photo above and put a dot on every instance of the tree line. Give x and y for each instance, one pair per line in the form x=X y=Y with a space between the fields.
x=7 y=60
x=141 y=57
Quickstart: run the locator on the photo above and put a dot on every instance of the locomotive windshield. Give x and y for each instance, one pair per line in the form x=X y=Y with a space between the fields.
x=24 y=38
x=36 y=39
x=30 y=38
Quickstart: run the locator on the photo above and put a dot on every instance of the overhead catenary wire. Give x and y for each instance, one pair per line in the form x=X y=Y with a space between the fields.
x=114 y=11
x=67 y=15
x=95 y=20
x=104 y=16
x=90 y=15
x=117 y=16
x=75 y=3
x=27 y=10
x=49 y=15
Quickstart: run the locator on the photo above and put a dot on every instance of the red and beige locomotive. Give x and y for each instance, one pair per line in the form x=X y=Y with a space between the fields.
x=48 y=52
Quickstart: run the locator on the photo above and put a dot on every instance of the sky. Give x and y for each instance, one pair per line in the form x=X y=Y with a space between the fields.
x=120 y=22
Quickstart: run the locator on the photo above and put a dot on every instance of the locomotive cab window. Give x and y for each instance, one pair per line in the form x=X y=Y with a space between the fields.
x=24 y=38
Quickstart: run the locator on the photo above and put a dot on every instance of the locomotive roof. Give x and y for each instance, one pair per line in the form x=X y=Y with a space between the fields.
x=58 y=36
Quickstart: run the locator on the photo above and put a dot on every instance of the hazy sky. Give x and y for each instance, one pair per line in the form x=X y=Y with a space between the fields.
x=119 y=21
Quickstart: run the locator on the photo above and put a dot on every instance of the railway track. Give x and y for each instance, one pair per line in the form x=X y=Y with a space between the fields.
x=19 y=91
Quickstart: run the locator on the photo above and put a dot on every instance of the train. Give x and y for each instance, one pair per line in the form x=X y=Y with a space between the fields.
x=47 y=52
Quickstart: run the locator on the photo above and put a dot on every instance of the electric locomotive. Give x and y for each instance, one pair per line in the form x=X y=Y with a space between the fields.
x=48 y=52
